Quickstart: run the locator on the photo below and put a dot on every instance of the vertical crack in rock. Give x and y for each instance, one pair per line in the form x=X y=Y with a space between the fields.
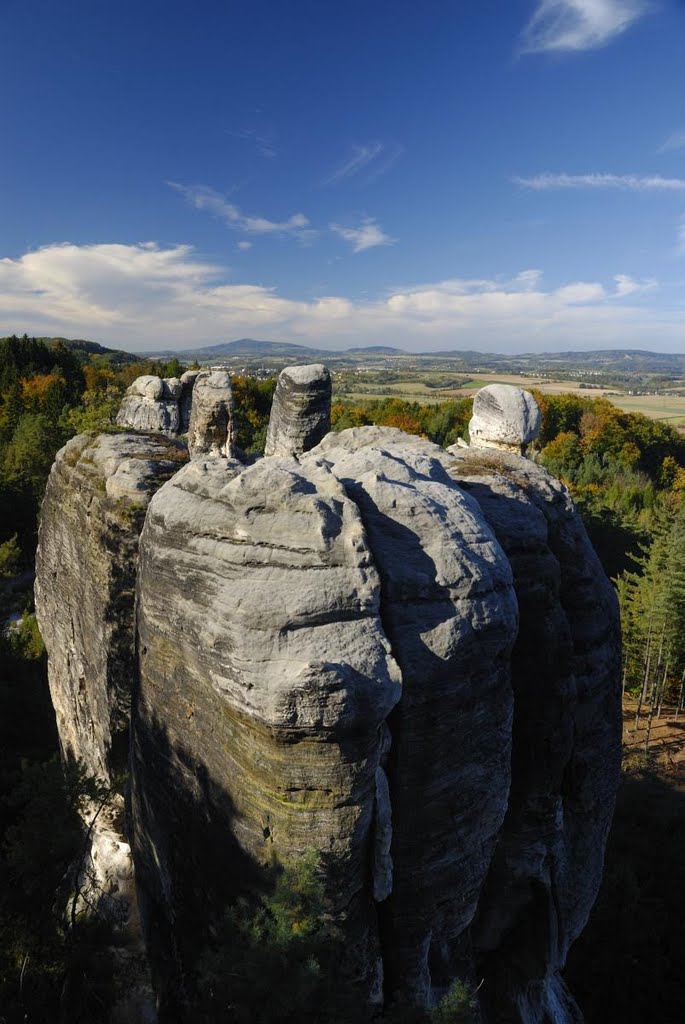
x=449 y=610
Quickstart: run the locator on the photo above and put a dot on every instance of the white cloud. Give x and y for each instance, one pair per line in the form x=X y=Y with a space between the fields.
x=372 y=158
x=681 y=234
x=146 y=297
x=576 y=25
x=244 y=246
x=580 y=293
x=676 y=140
x=626 y=285
x=202 y=197
x=625 y=182
x=367 y=236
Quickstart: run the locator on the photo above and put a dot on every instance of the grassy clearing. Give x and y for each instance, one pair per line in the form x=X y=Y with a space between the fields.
x=657 y=407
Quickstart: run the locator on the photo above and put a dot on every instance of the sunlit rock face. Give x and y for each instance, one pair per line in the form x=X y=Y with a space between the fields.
x=210 y=428
x=151 y=404
x=284 y=611
x=504 y=417
x=266 y=676
x=301 y=410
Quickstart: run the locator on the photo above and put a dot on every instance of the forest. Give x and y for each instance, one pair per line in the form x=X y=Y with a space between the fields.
x=626 y=474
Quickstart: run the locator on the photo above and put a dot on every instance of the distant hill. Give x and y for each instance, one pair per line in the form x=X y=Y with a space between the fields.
x=82 y=349
x=247 y=347
x=253 y=349
x=379 y=350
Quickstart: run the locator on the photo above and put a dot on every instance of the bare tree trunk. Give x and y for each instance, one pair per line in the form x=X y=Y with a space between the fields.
x=680 y=695
x=663 y=688
x=645 y=678
x=655 y=690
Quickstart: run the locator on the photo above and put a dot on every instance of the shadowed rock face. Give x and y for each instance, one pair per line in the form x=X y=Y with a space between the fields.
x=301 y=410
x=86 y=566
x=547 y=867
x=504 y=417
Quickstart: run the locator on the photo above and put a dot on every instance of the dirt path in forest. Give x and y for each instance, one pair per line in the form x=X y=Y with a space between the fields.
x=666 y=741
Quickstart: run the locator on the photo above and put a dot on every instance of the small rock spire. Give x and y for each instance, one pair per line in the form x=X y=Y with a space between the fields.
x=301 y=410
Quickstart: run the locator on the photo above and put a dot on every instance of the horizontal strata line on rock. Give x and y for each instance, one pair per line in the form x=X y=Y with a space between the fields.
x=249 y=563
x=239 y=543
x=448 y=599
x=335 y=615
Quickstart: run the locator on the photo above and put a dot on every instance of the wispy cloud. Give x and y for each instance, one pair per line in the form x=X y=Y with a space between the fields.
x=626 y=285
x=145 y=296
x=372 y=159
x=681 y=234
x=676 y=140
x=576 y=25
x=244 y=246
x=368 y=235
x=202 y=197
x=627 y=182
x=263 y=143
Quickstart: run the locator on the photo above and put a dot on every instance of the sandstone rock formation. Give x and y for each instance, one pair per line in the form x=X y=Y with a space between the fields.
x=185 y=402
x=450 y=615
x=152 y=404
x=301 y=410
x=331 y=659
x=86 y=566
x=210 y=430
x=504 y=417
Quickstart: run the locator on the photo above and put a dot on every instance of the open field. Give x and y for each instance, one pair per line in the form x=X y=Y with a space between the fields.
x=659 y=407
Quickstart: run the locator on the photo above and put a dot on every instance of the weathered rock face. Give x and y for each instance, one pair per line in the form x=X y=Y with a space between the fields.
x=331 y=659
x=152 y=404
x=450 y=614
x=301 y=410
x=548 y=863
x=210 y=431
x=264 y=689
x=185 y=402
x=504 y=417
x=265 y=678
x=86 y=565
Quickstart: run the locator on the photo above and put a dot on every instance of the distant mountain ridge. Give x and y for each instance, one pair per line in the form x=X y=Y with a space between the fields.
x=621 y=362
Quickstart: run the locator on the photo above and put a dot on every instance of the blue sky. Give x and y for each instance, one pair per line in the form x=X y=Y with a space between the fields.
x=502 y=175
